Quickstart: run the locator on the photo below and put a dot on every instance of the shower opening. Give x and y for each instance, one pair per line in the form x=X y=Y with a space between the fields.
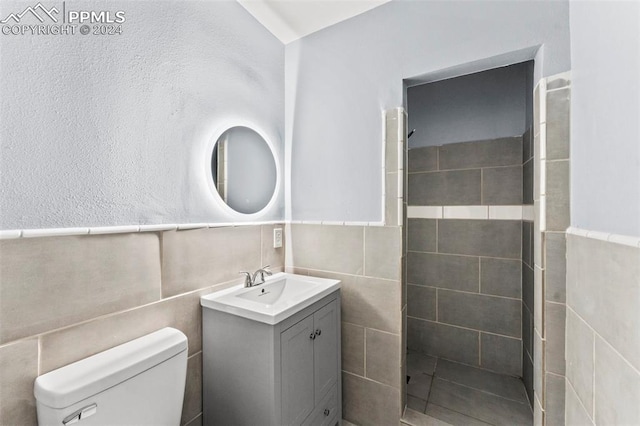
x=469 y=267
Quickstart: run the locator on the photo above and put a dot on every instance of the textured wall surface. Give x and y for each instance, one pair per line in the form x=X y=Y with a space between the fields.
x=111 y=130
x=339 y=80
x=605 y=106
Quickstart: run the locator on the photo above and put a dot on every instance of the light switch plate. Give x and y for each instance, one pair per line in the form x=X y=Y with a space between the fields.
x=277 y=237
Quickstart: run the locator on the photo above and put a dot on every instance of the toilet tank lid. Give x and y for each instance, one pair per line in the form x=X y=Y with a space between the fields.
x=74 y=382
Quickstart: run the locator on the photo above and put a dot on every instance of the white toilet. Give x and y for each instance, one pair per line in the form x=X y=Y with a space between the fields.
x=137 y=383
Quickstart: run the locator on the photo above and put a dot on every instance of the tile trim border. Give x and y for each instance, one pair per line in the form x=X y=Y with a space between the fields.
x=513 y=212
x=127 y=229
x=626 y=240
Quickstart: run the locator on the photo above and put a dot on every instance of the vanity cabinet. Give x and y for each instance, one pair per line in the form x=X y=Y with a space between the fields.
x=283 y=374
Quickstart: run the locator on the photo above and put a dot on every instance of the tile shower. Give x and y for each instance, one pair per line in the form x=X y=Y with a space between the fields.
x=465 y=266
x=543 y=218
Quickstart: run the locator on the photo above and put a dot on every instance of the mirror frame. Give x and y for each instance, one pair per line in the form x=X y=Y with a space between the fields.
x=213 y=190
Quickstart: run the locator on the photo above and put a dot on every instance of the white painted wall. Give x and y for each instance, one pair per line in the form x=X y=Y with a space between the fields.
x=340 y=79
x=605 y=122
x=485 y=105
x=112 y=130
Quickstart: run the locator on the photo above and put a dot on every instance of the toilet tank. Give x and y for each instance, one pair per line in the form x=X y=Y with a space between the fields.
x=140 y=382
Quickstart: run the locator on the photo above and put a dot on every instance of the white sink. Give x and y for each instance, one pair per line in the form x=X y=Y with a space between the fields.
x=281 y=296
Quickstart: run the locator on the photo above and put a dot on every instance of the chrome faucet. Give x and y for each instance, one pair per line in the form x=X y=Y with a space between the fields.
x=250 y=281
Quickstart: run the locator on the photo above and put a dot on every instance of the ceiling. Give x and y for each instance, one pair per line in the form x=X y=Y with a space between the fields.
x=290 y=20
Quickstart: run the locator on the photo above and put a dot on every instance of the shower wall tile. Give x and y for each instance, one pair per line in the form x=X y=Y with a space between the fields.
x=192 y=406
x=538 y=365
x=435 y=339
x=502 y=185
x=391 y=199
x=449 y=188
x=527 y=243
x=527 y=329
x=528 y=287
x=476 y=154
x=527 y=376
x=556 y=267
x=499 y=353
x=554 y=399
x=382 y=362
x=353 y=348
x=555 y=337
x=392 y=124
x=491 y=238
x=617 y=388
x=527 y=145
x=379 y=242
x=52 y=282
x=18 y=369
x=558 y=128
x=328 y=248
x=557 y=196
x=536 y=110
x=423 y=159
x=501 y=277
x=421 y=302
x=443 y=271
x=196 y=421
x=421 y=235
x=200 y=258
x=486 y=313
x=527 y=182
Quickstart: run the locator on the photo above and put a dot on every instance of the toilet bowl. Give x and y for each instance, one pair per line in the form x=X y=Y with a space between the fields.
x=140 y=382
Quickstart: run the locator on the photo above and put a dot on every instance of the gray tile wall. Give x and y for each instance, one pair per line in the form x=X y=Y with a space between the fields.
x=527 y=307
x=551 y=201
x=465 y=276
x=67 y=298
x=602 y=338
x=485 y=172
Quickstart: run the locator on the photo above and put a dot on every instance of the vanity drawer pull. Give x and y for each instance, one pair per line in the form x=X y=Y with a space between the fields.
x=327 y=411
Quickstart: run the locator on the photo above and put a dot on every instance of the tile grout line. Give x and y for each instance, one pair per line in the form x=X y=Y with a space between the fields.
x=466 y=328
x=472 y=293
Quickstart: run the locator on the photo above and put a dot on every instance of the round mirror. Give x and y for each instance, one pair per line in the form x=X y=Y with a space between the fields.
x=244 y=170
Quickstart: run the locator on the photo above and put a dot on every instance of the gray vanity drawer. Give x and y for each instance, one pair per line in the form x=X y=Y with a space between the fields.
x=325 y=412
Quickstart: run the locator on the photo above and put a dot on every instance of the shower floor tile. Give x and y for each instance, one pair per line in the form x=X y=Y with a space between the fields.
x=446 y=392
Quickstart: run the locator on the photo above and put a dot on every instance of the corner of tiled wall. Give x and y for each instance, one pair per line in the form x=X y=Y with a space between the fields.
x=65 y=298
x=367 y=258
x=551 y=204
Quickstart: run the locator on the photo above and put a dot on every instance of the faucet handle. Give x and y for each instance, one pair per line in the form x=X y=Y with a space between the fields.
x=266 y=269
x=248 y=282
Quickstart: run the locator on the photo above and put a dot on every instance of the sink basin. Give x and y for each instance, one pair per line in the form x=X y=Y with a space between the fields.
x=281 y=296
